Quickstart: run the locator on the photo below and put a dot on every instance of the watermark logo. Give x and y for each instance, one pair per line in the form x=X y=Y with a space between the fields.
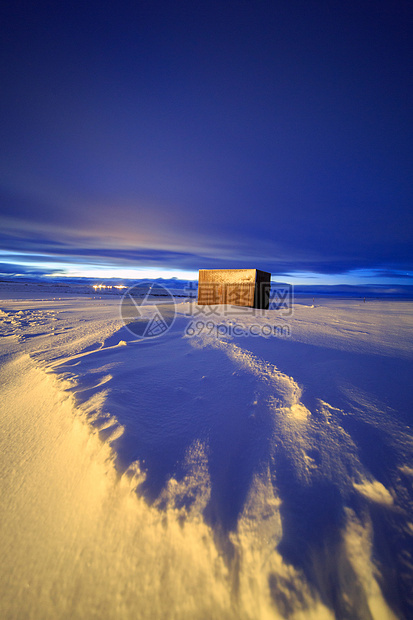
x=148 y=309
x=243 y=330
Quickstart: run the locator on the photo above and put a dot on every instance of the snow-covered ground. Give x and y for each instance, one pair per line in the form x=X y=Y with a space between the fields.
x=237 y=466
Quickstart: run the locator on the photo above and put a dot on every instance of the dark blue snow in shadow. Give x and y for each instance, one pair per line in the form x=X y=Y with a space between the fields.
x=161 y=393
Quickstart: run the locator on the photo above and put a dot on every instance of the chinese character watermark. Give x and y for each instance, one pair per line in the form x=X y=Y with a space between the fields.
x=148 y=310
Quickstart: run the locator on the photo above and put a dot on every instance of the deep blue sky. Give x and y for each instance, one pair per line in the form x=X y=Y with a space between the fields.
x=183 y=135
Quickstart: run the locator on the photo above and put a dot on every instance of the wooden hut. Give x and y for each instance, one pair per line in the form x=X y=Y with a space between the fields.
x=234 y=287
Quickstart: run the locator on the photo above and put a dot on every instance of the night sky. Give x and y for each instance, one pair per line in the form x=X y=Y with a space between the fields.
x=172 y=136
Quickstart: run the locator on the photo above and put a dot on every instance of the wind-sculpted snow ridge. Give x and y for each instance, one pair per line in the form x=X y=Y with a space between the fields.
x=89 y=546
x=84 y=537
x=199 y=477
x=313 y=460
x=285 y=387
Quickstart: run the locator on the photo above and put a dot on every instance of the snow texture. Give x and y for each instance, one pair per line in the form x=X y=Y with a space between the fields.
x=207 y=475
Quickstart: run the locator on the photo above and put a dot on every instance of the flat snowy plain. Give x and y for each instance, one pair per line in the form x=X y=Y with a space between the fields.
x=203 y=473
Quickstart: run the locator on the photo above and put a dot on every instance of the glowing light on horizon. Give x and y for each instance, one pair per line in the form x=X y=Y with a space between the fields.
x=99 y=286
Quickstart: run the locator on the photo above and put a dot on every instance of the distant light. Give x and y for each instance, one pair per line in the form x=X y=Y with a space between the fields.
x=99 y=286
